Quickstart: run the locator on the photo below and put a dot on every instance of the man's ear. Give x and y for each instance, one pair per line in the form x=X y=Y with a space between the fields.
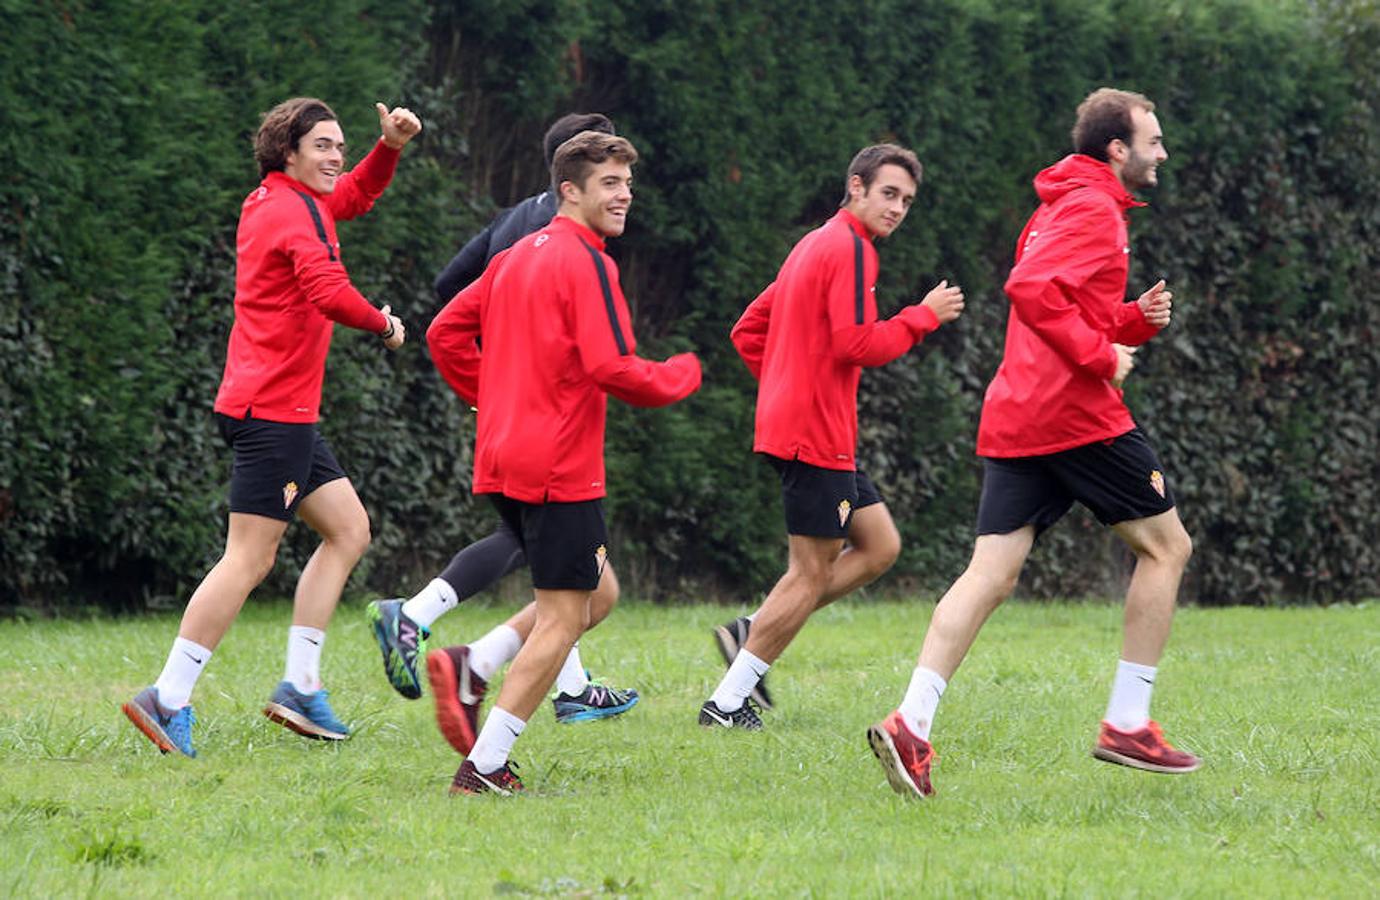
x=856 y=188
x=1117 y=150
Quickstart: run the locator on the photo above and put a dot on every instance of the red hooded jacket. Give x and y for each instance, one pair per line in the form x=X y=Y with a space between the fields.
x=556 y=336
x=291 y=286
x=1067 y=291
x=807 y=337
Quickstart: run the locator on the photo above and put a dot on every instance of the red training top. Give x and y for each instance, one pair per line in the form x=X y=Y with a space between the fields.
x=807 y=337
x=1067 y=290
x=556 y=336
x=290 y=285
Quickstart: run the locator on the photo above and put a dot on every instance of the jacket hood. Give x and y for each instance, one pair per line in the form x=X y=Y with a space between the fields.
x=1079 y=171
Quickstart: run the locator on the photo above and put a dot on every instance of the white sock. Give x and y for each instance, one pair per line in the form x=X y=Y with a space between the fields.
x=751 y=616
x=489 y=653
x=922 y=699
x=431 y=602
x=495 y=741
x=185 y=663
x=304 y=658
x=572 y=680
x=739 y=681
x=1128 y=709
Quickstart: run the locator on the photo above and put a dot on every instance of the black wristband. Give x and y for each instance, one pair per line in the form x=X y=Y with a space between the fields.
x=387 y=332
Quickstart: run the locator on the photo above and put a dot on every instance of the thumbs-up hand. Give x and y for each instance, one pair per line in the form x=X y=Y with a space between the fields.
x=399 y=126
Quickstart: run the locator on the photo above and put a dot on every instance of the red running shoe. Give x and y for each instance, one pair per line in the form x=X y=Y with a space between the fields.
x=458 y=692
x=502 y=781
x=905 y=758
x=1144 y=749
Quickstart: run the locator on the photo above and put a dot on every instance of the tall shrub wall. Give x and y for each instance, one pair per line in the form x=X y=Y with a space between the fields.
x=118 y=213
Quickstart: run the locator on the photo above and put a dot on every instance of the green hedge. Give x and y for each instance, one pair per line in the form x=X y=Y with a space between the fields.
x=127 y=135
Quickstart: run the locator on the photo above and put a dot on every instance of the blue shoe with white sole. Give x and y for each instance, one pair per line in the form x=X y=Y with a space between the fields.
x=310 y=715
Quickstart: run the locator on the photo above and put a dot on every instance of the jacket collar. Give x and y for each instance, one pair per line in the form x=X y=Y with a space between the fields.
x=586 y=234
x=853 y=222
x=1078 y=170
x=282 y=179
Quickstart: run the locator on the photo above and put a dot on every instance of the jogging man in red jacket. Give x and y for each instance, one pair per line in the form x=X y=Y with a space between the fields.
x=1055 y=430
x=460 y=674
x=291 y=288
x=807 y=338
x=557 y=339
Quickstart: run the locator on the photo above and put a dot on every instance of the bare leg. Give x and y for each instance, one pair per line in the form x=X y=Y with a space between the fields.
x=1162 y=549
x=989 y=579
x=794 y=597
x=334 y=512
x=561 y=616
x=601 y=603
x=251 y=545
x=872 y=548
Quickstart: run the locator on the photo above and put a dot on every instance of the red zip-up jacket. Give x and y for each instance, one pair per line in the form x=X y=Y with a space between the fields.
x=557 y=335
x=807 y=337
x=1067 y=291
x=290 y=286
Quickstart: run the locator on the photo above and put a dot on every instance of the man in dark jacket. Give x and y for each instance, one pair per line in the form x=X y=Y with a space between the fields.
x=1055 y=430
x=401 y=626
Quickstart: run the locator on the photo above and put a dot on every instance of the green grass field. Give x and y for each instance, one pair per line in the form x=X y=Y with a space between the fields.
x=1281 y=704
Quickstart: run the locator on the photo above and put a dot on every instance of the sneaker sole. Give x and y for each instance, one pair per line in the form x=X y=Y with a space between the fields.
x=150 y=728
x=488 y=788
x=301 y=724
x=450 y=715
x=590 y=715
x=1107 y=755
x=728 y=649
x=885 y=751
x=409 y=690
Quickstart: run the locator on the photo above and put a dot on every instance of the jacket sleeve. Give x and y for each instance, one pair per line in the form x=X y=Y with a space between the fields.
x=1073 y=246
x=453 y=337
x=749 y=335
x=356 y=190
x=465 y=267
x=1131 y=327
x=317 y=268
x=856 y=335
x=603 y=335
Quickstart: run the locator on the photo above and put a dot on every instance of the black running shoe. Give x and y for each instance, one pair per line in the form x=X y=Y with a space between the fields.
x=502 y=781
x=744 y=717
x=731 y=638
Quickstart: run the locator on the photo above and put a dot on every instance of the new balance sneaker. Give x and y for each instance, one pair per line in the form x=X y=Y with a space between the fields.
x=596 y=701
x=905 y=758
x=502 y=781
x=458 y=692
x=731 y=638
x=401 y=640
x=310 y=715
x=1144 y=749
x=168 y=731
x=744 y=717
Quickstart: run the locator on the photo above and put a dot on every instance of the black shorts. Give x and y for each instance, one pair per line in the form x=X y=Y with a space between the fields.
x=566 y=543
x=1118 y=480
x=820 y=502
x=277 y=464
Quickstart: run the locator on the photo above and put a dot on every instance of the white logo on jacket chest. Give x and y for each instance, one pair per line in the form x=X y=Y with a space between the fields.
x=541 y=239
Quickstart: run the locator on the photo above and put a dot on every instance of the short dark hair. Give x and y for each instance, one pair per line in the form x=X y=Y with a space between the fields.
x=1105 y=116
x=577 y=157
x=283 y=126
x=569 y=125
x=870 y=159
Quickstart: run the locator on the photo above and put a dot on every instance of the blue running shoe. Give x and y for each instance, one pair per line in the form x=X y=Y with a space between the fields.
x=596 y=701
x=169 y=731
x=310 y=715
x=401 y=641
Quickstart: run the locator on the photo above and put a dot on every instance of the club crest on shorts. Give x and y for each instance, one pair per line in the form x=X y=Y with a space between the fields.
x=289 y=494
x=844 y=509
x=600 y=557
x=1157 y=482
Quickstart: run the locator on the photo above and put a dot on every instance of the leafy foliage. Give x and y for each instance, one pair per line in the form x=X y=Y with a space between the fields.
x=127 y=137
